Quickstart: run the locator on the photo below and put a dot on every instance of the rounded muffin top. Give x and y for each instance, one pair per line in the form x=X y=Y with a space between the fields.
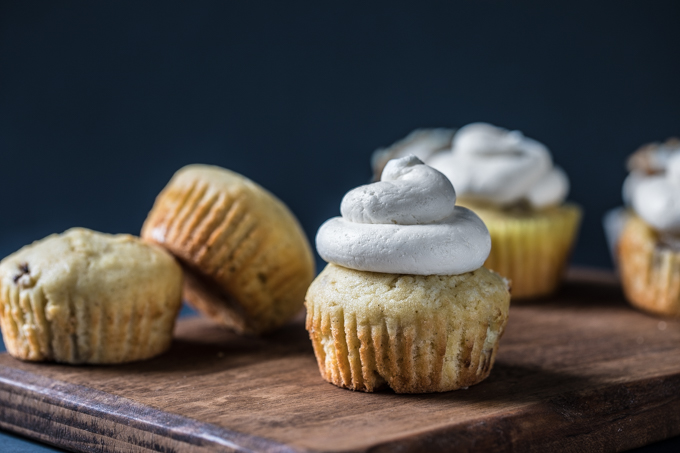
x=88 y=264
x=379 y=295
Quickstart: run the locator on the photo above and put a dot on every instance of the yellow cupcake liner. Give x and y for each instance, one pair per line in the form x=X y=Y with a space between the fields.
x=530 y=249
x=650 y=271
x=35 y=330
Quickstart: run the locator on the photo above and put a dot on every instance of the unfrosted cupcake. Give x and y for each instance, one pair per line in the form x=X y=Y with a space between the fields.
x=87 y=297
x=405 y=301
x=648 y=249
x=510 y=181
x=247 y=261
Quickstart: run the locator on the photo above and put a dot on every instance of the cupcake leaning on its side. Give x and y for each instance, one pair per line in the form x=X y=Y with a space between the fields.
x=404 y=301
x=648 y=249
x=88 y=297
x=246 y=260
x=510 y=181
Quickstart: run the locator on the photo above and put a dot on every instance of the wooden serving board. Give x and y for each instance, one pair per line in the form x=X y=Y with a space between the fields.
x=579 y=372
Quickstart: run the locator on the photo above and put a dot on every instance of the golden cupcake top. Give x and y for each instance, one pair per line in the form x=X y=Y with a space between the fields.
x=87 y=262
x=375 y=295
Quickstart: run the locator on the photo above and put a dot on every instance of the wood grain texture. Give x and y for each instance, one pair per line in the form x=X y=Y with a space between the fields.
x=578 y=372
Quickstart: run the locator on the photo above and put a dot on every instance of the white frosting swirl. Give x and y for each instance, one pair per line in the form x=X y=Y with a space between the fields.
x=409 y=193
x=648 y=161
x=502 y=167
x=657 y=198
x=405 y=224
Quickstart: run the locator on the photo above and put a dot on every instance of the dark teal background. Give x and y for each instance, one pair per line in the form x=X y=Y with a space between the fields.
x=100 y=102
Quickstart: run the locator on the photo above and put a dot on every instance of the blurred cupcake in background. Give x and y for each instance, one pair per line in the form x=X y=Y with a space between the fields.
x=649 y=160
x=510 y=181
x=648 y=249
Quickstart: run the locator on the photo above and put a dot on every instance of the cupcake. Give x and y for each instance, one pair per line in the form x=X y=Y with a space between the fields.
x=648 y=248
x=87 y=297
x=405 y=302
x=510 y=181
x=246 y=260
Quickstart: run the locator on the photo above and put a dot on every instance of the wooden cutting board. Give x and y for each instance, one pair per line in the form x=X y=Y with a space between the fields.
x=578 y=372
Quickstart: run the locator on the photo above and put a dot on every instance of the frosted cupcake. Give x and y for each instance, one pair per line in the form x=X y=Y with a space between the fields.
x=649 y=246
x=512 y=184
x=405 y=302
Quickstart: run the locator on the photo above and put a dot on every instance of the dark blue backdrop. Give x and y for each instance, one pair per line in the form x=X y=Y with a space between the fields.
x=100 y=102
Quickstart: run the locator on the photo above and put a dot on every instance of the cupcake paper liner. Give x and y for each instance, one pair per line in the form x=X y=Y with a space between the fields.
x=409 y=358
x=531 y=250
x=650 y=270
x=35 y=331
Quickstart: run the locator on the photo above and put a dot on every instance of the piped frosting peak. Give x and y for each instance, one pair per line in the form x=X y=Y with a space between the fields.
x=407 y=223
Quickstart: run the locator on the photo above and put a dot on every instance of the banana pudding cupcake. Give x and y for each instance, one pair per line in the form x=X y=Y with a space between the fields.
x=246 y=260
x=88 y=297
x=405 y=302
x=510 y=181
x=648 y=249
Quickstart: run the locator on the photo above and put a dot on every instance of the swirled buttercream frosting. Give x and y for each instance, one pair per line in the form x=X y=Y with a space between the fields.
x=657 y=198
x=407 y=223
x=502 y=167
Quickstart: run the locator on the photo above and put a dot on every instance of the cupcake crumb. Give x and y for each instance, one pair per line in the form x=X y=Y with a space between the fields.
x=662 y=325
